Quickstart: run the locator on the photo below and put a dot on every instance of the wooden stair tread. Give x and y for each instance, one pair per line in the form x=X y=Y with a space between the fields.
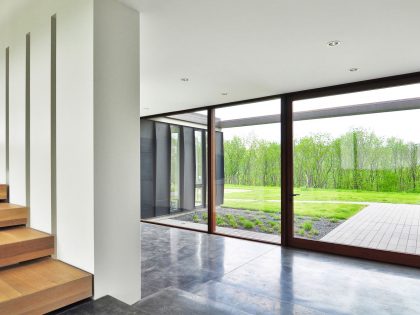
x=11 y=215
x=41 y=286
x=21 y=244
x=20 y=234
x=5 y=206
x=37 y=275
x=30 y=281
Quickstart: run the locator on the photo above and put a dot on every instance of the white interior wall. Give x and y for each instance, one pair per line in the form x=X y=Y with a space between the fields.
x=17 y=175
x=74 y=121
x=117 y=151
x=40 y=131
x=75 y=234
x=96 y=230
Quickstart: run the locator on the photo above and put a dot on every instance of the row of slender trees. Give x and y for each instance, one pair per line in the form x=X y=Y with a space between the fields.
x=358 y=160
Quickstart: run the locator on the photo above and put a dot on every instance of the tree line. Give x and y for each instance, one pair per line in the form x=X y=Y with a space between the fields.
x=357 y=160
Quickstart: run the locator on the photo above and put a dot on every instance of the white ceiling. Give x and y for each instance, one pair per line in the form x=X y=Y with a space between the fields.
x=255 y=48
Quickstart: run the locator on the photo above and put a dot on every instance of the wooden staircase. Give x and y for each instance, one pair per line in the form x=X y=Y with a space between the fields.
x=31 y=282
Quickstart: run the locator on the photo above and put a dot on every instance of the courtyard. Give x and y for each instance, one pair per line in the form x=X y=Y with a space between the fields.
x=375 y=220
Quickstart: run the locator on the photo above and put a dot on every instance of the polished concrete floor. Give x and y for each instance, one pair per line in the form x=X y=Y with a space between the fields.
x=187 y=272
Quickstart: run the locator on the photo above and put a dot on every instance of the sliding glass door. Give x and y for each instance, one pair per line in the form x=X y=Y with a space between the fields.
x=356 y=169
x=175 y=159
x=248 y=173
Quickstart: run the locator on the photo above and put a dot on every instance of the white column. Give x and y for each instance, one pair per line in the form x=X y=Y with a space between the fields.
x=117 y=151
x=75 y=200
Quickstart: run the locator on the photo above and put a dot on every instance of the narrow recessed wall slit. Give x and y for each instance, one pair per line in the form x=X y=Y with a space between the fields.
x=7 y=92
x=53 y=126
x=28 y=120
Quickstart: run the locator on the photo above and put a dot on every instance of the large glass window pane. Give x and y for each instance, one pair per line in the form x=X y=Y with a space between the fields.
x=200 y=157
x=248 y=170
x=173 y=170
x=397 y=93
x=198 y=197
x=357 y=175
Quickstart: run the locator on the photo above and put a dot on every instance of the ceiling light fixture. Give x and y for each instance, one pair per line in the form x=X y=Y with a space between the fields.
x=354 y=69
x=185 y=79
x=334 y=43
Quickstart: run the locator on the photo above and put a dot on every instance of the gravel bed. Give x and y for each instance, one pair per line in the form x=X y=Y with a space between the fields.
x=316 y=228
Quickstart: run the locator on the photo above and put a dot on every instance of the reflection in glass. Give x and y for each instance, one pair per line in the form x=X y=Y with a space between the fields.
x=175 y=169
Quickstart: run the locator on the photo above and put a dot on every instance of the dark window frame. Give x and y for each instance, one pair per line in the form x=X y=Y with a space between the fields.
x=287 y=99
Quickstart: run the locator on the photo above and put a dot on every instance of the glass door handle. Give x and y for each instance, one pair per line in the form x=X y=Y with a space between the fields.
x=294 y=195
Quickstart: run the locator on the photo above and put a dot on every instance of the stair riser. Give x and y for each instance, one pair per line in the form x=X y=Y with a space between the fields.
x=4 y=192
x=12 y=217
x=26 y=250
x=13 y=222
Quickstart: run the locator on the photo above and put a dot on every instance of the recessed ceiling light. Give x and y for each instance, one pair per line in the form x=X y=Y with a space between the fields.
x=185 y=79
x=224 y=93
x=334 y=43
x=354 y=69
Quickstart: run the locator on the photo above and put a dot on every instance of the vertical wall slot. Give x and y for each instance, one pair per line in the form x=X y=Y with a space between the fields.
x=53 y=125
x=28 y=120
x=7 y=112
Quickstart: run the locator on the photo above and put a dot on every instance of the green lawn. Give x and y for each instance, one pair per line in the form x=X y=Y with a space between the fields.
x=273 y=193
x=267 y=199
x=339 y=211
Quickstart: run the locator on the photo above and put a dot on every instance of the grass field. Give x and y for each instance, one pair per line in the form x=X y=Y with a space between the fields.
x=339 y=211
x=267 y=199
x=273 y=193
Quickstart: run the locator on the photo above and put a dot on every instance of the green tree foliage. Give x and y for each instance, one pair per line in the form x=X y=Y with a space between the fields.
x=358 y=160
x=252 y=162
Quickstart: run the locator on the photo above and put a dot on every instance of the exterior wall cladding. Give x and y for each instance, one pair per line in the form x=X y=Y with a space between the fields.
x=155 y=163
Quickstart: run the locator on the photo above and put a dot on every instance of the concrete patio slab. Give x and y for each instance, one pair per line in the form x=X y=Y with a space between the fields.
x=391 y=227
